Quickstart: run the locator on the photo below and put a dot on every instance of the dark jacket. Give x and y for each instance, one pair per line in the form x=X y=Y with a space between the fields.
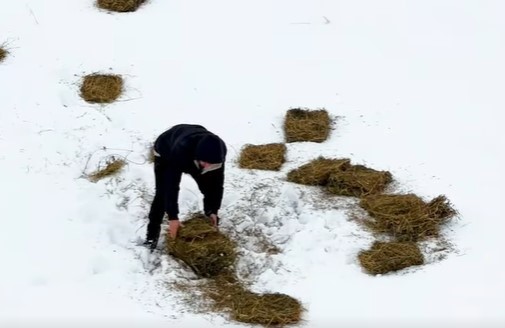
x=178 y=149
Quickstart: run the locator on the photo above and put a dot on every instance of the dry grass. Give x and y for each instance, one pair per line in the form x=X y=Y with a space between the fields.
x=101 y=88
x=210 y=254
x=407 y=217
x=119 y=5
x=318 y=171
x=263 y=157
x=203 y=248
x=3 y=53
x=112 y=167
x=150 y=154
x=358 y=181
x=270 y=309
x=384 y=257
x=307 y=125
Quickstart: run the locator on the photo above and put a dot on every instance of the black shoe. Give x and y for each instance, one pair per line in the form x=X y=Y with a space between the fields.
x=153 y=234
x=151 y=243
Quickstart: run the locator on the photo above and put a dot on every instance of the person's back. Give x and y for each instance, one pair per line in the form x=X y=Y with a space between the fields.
x=191 y=149
x=182 y=143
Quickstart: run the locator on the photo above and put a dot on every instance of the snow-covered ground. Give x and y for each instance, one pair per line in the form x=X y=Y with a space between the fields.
x=415 y=88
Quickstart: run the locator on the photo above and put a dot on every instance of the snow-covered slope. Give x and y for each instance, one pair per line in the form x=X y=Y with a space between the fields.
x=415 y=89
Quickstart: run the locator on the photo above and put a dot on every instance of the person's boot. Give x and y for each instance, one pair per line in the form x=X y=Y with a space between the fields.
x=152 y=236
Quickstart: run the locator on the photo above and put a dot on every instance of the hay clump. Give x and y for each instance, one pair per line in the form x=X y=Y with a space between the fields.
x=306 y=125
x=112 y=166
x=101 y=88
x=212 y=255
x=358 y=181
x=203 y=248
x=268 y=309
x=318 y=171
x=407 y=217
x=263 y=157
x=384 y=257
x=3 y=53
x=441 y=207
x=120 y=5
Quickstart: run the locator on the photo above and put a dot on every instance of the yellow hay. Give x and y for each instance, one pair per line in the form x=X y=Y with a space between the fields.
x=3 y=53
x=212 y=255
x=318 y=171
x=113 y=166
x=358 y=181
x=203 y=248
x=263 y=157
x=306 y=125
x=384 y=257
x=101 y=88
x=120 y=5
x=269 y=309
x=407 y=217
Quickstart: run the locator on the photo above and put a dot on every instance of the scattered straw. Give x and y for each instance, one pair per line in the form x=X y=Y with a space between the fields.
x=318 y=171
x=270 y=309
x=112 y=166
x=358 y=181
x=202 y=247
x=101 y=88
x=120 y=5
x=306 y=125
x=150 y=154
x=263 y=157
x=3 y=54
x=212 y=255
x=407 y=217
x=267 y=309
x=385 y=257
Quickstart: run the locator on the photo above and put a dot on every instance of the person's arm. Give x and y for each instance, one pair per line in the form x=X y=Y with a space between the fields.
x=171 y=181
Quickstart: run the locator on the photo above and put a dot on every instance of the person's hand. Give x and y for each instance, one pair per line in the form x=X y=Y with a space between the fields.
x=173 y=227
x=214 y=219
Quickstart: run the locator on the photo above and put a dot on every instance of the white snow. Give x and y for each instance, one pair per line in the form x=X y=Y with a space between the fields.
x=415 y=88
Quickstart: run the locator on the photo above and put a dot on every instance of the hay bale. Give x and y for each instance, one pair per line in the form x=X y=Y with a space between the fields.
x=101 y=88
x=245 y=306
x=384 y=257
x=112 y=167
x=263 y=157
x=318 y=171
x=407 y=217
x=202 y=247
x=3 y=53
x=306 y=125
x=119 y=5
x=358 y=181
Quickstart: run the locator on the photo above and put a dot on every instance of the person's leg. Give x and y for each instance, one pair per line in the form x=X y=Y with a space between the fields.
x=157 y=210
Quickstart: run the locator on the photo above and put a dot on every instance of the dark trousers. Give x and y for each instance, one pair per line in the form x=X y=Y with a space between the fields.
x=157 y=211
